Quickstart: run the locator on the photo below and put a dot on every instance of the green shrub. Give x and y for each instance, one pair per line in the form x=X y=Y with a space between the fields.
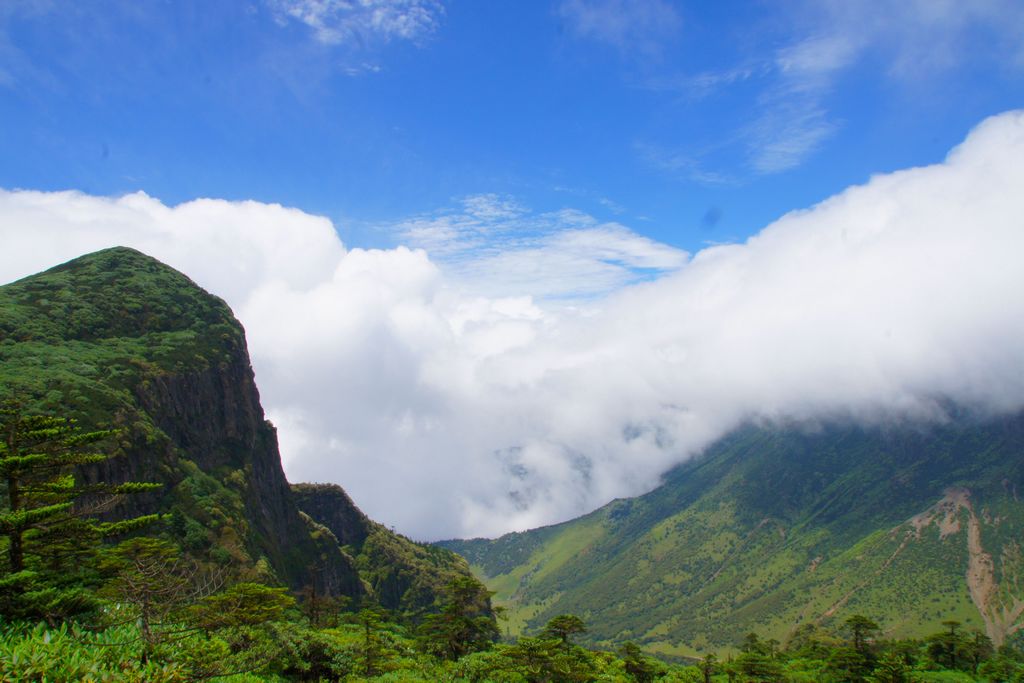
x=41 y=653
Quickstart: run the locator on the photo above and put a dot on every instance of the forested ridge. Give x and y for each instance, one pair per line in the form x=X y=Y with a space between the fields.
x=776 y=527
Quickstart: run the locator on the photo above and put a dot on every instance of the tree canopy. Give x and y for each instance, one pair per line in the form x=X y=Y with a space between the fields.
x=49 y=519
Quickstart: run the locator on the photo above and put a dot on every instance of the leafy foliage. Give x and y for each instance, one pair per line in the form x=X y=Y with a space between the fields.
x=68 y=653
x=243 y=604
x=465 y=623
x=371 y=646
x=46 y=522
x=563 y=627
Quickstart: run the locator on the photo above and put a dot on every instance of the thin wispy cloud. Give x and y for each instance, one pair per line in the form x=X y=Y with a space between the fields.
x=611 y=205
x=700 y=85
x=254 y=52
x=688 y=166
x=494 y=245
x=914 y=42
x=787 y=133
x=922 y=38
x=918 y=40
x=810 y=64
x=630 y=26
x=361 y=22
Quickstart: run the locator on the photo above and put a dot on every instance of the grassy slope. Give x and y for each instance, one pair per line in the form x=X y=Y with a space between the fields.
x=774 y=528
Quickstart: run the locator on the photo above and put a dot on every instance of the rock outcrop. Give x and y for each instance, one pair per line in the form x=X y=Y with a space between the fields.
x=139 y=346
x=118 y=339
x=400 y=573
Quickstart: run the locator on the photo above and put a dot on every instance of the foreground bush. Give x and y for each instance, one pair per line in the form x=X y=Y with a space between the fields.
x=70 y=654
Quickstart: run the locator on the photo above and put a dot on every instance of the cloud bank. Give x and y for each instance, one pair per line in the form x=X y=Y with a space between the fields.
x=449 y=412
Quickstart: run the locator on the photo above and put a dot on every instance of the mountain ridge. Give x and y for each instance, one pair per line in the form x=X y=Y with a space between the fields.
x=117 y=338
x=769 y=529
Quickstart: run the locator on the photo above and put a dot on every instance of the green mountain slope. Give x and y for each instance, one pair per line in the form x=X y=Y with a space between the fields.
x=116 y=338
x=774 y=528
x=403 y=575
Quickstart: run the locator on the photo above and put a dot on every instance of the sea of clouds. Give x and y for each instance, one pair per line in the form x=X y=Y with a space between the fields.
x=453 y=396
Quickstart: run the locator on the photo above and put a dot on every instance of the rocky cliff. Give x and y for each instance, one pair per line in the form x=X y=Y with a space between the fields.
x=116 y=338
x=402 y=575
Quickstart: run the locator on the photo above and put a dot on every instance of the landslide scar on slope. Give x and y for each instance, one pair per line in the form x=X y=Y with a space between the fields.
x=999 y=616
x=999 y=613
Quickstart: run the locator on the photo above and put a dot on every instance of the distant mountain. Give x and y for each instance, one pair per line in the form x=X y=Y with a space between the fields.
x=117 y=338
x=773 y=528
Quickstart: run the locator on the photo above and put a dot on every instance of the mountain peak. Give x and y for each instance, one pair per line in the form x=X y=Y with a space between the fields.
x=117 y=337
x=117 y=292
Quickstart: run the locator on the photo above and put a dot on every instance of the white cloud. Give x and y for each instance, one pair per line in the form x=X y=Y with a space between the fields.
x=918 y=38
x=816 y=57
x=915 y=41
x=631 y=26
x=336 y=22
x=494 y=246
x=447 y=412
x=687 y=166
x=786 y=134
x=793 y=121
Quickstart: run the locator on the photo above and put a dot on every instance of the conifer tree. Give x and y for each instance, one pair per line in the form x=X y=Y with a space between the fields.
x=637 y=665
x=465 y=623
x=373 y=648
x=46 y=522
x=563 y=627
x=861 y=630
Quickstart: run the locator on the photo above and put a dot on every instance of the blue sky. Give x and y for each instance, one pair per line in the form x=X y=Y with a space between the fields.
x=501 y=262
x=688 y=122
